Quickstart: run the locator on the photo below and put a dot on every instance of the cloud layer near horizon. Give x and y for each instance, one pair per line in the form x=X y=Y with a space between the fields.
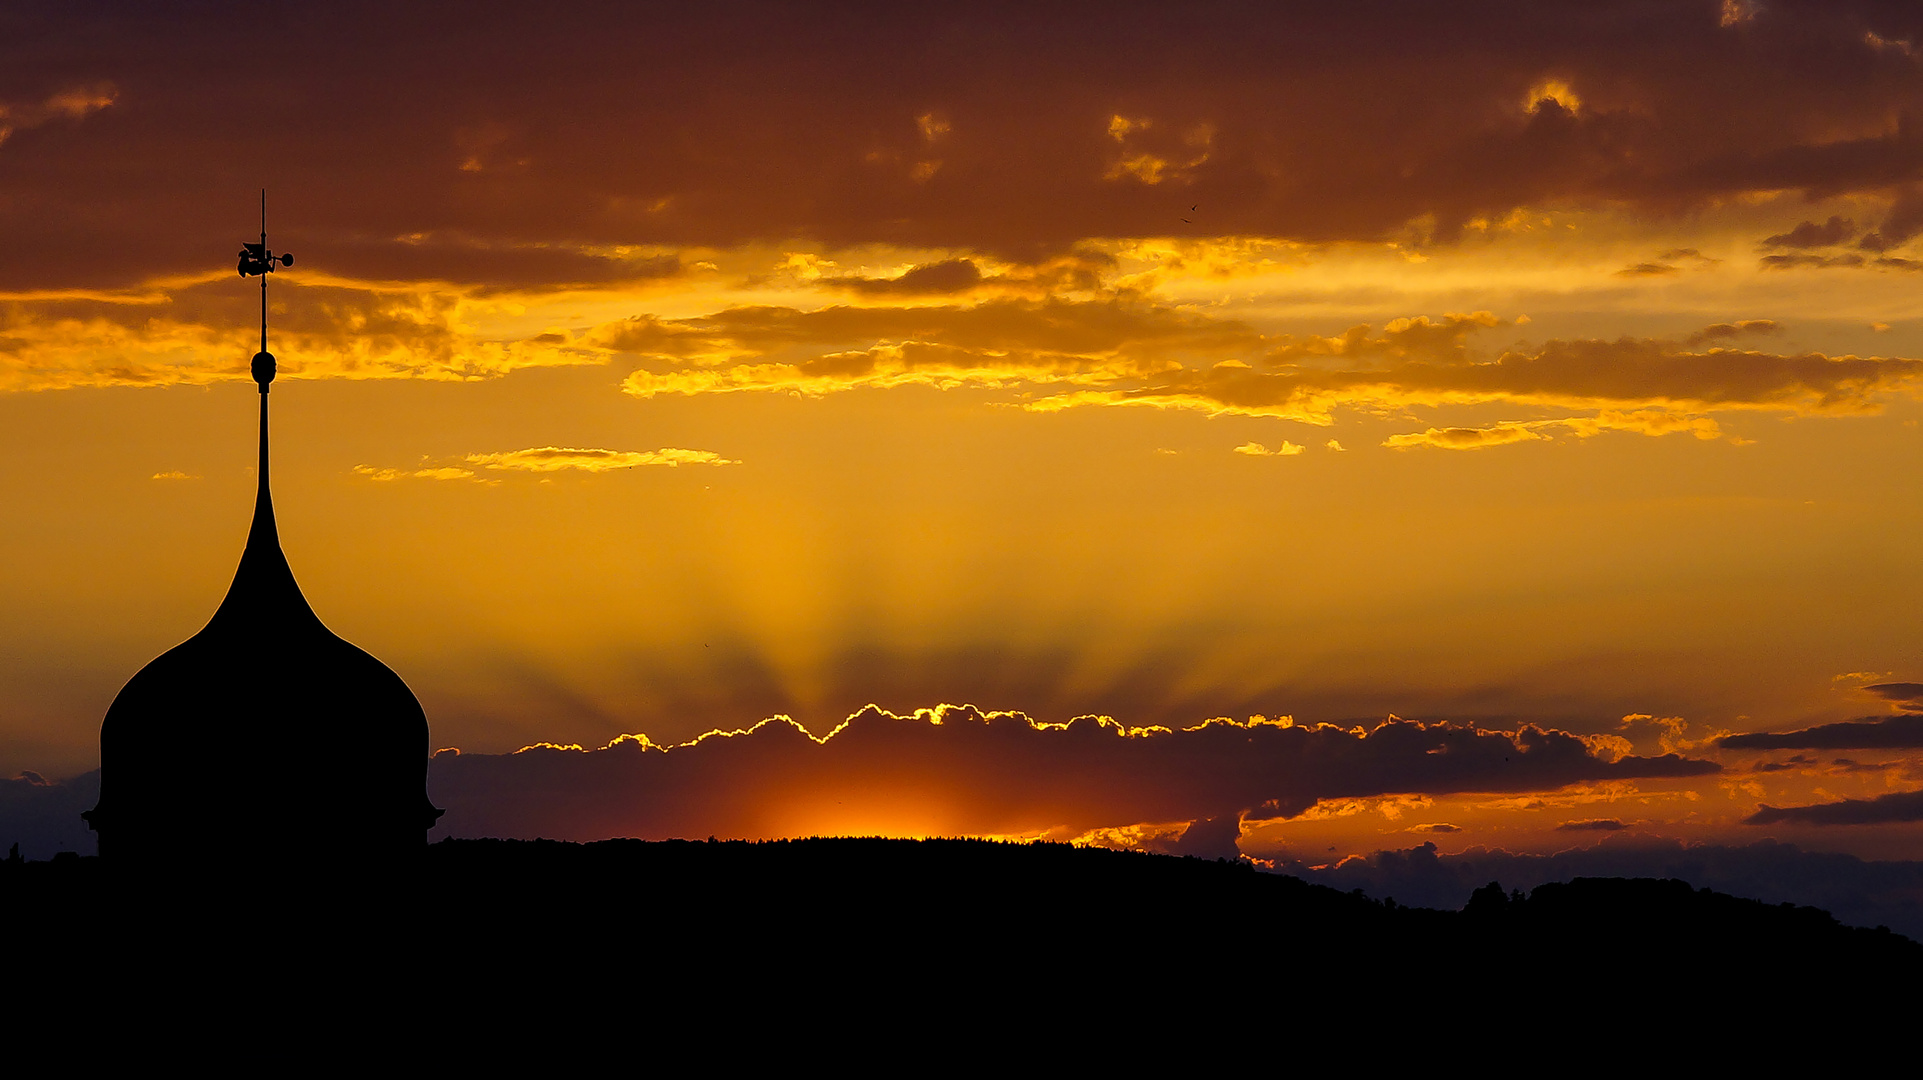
x=1859 y=892
x=1883 y=809
x=1870 y=733
x=958 y=771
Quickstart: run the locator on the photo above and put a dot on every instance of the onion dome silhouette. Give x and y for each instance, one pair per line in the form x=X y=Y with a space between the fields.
x=265 y=734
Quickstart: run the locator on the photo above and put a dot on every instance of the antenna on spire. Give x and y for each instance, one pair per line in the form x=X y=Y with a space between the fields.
x=255 y=259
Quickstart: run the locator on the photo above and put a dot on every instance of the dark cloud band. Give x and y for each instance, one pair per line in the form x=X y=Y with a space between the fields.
x=1884 y=809
x=1020 y=129
x=1887 y=733
x=958 y=771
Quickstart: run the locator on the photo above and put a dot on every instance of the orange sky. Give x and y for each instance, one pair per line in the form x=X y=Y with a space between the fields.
x=652 y=372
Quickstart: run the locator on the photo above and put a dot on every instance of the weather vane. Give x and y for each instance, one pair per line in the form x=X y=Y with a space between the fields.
x=256 y=259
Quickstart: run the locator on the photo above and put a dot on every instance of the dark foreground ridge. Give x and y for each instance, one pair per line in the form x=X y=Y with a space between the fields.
x=918 y=916
x=872 y=953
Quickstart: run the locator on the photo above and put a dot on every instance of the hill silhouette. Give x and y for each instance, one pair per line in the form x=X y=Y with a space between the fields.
x=877 y=918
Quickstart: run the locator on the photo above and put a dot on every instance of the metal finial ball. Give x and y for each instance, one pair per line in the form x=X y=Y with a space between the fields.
x=263 y=369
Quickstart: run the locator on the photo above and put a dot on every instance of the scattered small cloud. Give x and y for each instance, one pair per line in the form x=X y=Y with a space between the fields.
x=1880 y=43
x=1846 y=765
x=1555 y=92
x=1256 y=449
x=558 y=458
x=1153 y=152
x=1787 y=262
x=72 y=103
x=1737 y=12
x=1459 y=438
x=1901 y=806
x=387 y=475
x=1640 y=421
x=1688 y=255
x=1809 y=234
x=174 y=474
x=1724 y=331
x=948 y=276
x=1908 y=695
x=1904 y=221
x=1666 y=263
x=1870 y=733
x=1671 y=733
x=1592 y=825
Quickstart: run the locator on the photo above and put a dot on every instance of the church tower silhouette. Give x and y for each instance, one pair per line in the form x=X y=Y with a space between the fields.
x=264 y=737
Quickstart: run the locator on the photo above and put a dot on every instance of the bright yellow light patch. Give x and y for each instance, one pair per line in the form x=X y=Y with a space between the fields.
x=1555 y=90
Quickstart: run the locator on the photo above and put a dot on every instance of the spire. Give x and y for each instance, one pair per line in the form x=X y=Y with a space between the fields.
x=256 y=259
x=264 y=578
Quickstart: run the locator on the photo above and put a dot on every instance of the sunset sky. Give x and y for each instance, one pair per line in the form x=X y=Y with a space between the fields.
x=1528 y=391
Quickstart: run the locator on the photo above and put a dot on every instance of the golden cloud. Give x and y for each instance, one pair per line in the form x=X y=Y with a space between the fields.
x=548 y=459
x=1464 y=438
x=1133 y=352
x=1644 y=422
x=993 y=343
x=1052 y=352
x=1640 y=375
x=387 y=475
x=196 y=331
x=558 y=458
x=1256 y=449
